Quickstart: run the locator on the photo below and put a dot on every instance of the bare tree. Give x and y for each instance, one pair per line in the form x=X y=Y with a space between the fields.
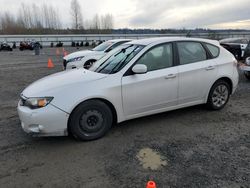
x=107 y=22
x=39 y=19
x=50 y=17
x=54 y=18
x=76 y=15
x=96 y=24
x=45 y=16
x=36 y=17
x=8 y=23
x=25 y=16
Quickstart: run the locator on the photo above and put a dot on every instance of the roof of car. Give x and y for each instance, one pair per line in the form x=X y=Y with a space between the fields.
x=148 y=41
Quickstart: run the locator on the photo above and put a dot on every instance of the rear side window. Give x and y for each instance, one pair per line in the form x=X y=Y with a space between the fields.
x=159 y=57
x=191 y=52
x=214 y=50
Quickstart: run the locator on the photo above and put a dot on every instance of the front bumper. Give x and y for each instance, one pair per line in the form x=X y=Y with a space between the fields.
x=47 y=121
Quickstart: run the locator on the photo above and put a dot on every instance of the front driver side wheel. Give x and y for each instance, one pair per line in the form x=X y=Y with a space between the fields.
x=90 y=120
x=218 y=95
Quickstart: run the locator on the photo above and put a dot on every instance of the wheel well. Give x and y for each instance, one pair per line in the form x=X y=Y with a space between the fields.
x=229 y=81
x=109 y=104
x=91 y=60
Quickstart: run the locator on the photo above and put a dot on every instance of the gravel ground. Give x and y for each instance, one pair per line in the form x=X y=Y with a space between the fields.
x=190 y=147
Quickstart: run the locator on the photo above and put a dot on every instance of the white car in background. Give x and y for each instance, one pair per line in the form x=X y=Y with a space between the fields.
x=86 y=58
x=139 y=78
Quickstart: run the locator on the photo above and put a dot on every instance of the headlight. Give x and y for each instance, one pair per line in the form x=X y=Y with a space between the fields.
x=36 y=102
x=75 y=59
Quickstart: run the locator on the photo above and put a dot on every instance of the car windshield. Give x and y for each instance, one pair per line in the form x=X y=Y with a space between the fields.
x=103 y=46
x=115 y=60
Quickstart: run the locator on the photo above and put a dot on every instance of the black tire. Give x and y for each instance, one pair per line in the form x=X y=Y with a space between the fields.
x=247 y=75
x=222 y=97
x=89 y=64
x=90 y=120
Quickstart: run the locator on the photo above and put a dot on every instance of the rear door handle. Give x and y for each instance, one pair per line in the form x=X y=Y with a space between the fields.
x=210 y=68
x=170 y=76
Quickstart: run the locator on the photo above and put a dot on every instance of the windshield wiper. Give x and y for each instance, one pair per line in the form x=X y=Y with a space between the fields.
x=122 y=62
x=121 y=51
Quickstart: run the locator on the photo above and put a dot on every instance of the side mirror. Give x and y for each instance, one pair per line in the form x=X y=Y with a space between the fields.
x=140 y=69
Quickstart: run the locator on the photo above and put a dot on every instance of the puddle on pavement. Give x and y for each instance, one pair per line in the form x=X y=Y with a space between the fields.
x=150 y=159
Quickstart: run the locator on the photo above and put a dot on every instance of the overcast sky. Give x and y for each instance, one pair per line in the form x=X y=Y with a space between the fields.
x=155 y=13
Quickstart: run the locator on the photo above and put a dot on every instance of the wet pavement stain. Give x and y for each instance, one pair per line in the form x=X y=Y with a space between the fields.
x=150 y=159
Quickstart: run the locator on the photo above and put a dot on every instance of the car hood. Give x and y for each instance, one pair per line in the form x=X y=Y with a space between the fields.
x=65 y=79
x=82 y=53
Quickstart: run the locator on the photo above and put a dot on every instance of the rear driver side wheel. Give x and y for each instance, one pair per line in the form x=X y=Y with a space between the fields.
x=218 y=95
x=90 y=120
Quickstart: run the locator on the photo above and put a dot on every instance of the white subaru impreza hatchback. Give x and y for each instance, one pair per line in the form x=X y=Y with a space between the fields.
x=137 y=79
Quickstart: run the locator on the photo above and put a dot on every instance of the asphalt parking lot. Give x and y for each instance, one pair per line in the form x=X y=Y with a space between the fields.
x=192 y=147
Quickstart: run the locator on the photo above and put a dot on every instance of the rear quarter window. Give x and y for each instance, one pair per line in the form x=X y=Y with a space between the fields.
x=214 y=50
x=191 y=52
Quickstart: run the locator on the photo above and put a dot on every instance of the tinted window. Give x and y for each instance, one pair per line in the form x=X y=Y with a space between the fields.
x=213 y=49
x=191 y=52
x=159 y=57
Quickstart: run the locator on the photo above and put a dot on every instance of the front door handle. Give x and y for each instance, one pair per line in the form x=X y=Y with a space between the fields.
x=210 y=68
x=170 y=76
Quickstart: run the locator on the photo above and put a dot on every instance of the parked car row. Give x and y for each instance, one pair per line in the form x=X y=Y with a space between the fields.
x=26 y=45
x=132 y=79
x=5 y=47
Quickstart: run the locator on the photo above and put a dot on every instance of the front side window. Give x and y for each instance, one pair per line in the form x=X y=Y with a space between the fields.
x=191 y=52
x=159 y=57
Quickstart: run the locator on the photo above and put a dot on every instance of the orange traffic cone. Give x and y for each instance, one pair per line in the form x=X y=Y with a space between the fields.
x=57 y=52
x=151 y=184
x=50 y=63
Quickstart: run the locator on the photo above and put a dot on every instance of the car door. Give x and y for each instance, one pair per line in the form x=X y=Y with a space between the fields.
x=196 y=72
x=154 y=90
